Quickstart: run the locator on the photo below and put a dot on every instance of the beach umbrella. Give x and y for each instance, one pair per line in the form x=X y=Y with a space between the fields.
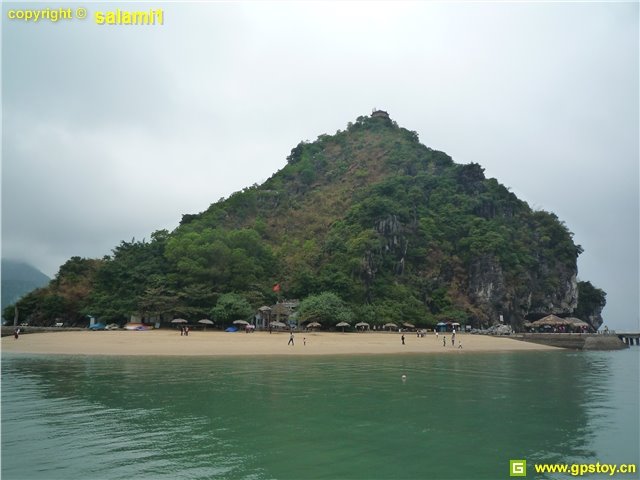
x=390 y=325
x=314 y=325
x=408 y=325
x=363 y=325
x=240 y=322
x=205 y=322
x=343 y=324
x=179 y=320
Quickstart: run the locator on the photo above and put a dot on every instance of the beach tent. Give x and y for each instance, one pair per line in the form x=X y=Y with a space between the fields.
x=441 y=327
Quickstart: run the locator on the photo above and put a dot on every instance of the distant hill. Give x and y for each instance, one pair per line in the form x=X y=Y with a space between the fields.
x=19 y=278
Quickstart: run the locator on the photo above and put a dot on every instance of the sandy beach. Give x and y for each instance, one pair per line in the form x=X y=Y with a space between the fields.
x=169 y=342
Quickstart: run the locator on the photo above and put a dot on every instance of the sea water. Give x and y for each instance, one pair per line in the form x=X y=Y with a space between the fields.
x=453 y=416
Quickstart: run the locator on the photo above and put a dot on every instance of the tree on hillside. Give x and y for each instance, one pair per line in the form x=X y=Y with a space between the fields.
x=326 y=308
x=230 y=307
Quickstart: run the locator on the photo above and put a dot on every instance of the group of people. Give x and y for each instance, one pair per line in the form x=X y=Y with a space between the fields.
x=453 y=340
x=444 y=339
x=184 y=330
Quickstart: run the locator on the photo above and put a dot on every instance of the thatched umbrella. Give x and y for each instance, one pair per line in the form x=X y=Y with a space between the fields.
x=314 y=325
x=240 y=322
x=363 y=325
x=390 y=325
x=179 y=320
x=408 y=325
x=577 y=323
x=343 y=324
x=205 y=322
x=277 y=324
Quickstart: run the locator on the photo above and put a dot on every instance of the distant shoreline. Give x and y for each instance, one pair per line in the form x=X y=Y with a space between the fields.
x=217 y=343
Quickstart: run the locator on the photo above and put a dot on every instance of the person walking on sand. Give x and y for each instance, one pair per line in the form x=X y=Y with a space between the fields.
x=444 y=341
x=16 y=333
x=304 y=340
x=291 y=340
x=402 y=338
x=186 y=331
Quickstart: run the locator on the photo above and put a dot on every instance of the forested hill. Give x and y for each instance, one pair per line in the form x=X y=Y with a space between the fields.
x=396 y=230
x=19 y=278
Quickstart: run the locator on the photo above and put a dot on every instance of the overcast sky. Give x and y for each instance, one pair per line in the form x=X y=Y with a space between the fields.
x=113 y=132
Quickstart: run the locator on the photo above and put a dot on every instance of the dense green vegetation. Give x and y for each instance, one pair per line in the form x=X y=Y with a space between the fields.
x=367 y=224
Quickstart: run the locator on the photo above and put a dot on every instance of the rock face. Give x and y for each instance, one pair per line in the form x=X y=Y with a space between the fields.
x=495 y=294
x=595 y=318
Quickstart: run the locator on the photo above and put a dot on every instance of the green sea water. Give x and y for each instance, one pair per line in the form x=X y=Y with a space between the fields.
x=455 y=416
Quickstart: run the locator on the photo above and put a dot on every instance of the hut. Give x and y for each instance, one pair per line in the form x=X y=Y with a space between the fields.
x=552 y=322
x=284 y=311
x=579 y=326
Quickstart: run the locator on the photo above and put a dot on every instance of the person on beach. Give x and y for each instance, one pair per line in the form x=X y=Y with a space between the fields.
x=181 y=330
x=304 y=340
x=444 y=341
x=402 y=338
x=459 y=344
x=436 y=334
x=290 y=339
x=186 y=331
x=16 y=333
x=453 y=341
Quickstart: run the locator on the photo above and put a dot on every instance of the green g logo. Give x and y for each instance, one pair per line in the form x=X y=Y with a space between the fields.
x=517 y=468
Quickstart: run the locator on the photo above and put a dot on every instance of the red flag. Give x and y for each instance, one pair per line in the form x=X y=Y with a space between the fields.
x=276 y=287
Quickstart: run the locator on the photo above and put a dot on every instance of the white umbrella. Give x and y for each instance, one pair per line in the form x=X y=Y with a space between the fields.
x=205 y=322
x=240 y=322
x=343 y=324
x=179 y=320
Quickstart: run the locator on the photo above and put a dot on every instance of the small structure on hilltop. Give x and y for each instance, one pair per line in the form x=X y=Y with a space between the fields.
x=379 y=114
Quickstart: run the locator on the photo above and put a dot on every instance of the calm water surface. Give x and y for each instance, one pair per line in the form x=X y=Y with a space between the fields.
x=456 y=416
